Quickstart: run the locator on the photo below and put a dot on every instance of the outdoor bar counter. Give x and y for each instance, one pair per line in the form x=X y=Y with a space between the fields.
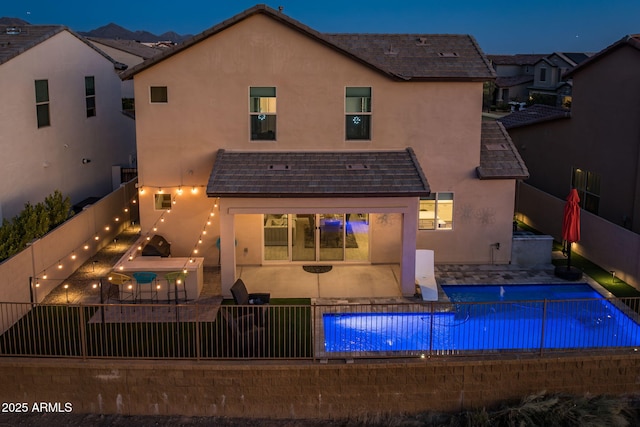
x=163 y=265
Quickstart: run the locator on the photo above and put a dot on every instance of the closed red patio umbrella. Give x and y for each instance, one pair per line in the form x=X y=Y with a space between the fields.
x=571 y=232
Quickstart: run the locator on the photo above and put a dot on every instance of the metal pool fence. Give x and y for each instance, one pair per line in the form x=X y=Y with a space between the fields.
x=316 y=332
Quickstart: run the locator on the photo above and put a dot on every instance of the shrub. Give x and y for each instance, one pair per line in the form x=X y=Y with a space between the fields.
x=33 y=222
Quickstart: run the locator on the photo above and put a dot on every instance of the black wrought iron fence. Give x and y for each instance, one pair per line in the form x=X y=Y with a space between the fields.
x=210 y=331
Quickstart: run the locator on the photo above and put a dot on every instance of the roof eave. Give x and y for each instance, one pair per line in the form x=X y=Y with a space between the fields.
x=234 y=195
x=485 y=176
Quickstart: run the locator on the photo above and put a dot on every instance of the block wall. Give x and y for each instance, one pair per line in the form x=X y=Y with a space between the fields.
x=304 y=389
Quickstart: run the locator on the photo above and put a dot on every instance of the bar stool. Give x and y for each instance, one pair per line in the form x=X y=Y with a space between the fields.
x=176 y=283
x=124 y=285
x=146 y=278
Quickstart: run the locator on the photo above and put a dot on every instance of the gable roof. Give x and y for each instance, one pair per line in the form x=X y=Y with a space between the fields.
x=537 y=113
x=499 y=158
x=398 y=56
x=517 y=59
x=129 y=46
x=15 y=40
x=317 y=174
x=629 y=40
x=510 y=81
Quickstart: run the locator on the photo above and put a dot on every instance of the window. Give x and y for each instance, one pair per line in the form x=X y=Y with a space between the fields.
x=262 y=111
x=159 y=94
x=42 y=103
x=543 y=74
x=436 y=212
x=162 y=201
x=588 y=186
x=357 y=106
x=90 y=95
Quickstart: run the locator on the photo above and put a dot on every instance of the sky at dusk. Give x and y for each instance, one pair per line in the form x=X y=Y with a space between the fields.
x=500 y=27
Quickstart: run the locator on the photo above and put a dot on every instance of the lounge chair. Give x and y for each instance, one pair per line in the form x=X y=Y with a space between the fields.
x=259 y=301
x=242 y=297
x=425 y=277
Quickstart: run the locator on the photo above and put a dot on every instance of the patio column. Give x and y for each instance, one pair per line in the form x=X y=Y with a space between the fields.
x=227 y=248
x=409 y=239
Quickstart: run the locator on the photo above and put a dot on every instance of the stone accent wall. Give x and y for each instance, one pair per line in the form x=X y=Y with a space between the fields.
x=304 y=389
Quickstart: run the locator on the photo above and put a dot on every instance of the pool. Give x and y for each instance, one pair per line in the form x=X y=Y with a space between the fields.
x=490 y=317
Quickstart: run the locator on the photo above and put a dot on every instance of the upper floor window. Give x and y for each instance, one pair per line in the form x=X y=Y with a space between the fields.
x=158 y=94
x=588 y=186
x=90 y=95
x=262 y=112
x=42 y=103
x=543 y=74
x=357 y=106
x=436 y=212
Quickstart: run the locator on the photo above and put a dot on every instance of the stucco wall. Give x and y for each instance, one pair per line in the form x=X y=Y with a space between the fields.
x=38 y=161
x=606 y=244
x=208 y=108
x=308 y=390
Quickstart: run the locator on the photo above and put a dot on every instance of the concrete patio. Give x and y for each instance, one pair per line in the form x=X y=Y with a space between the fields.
x=351 y=282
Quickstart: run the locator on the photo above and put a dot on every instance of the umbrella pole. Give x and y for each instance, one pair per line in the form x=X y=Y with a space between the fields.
x=568 y=256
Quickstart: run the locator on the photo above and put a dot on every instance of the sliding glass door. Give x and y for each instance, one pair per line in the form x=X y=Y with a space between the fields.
x=328 y=237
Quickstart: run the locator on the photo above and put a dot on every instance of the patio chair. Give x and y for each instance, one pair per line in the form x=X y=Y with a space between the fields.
x=242 y=297
x=245 y=338
x=259 y=301
x=425 y=277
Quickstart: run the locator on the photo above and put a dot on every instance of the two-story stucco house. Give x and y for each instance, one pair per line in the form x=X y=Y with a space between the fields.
x=61 y=125
x=278 y=144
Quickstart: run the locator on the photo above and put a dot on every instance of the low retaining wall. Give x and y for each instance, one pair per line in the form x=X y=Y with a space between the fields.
x=305 y=389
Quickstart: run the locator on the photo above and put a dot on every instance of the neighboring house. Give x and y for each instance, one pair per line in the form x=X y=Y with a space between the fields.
x=61 y=125
x=128 y=52
x=298 y=147
x=523 y=77
x=550 y=80
x=514 y=76
x=595 y=147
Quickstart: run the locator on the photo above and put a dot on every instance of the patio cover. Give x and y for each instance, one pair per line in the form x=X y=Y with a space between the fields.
x=270 y=174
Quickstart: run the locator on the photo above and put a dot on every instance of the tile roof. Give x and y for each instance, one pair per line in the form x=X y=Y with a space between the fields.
x=632 y=40
x=518 y=59
x=534 y=114
x=419 y=56
x=398 y=56
x=15 y=40
x=129 y=46
x=499 y=158
x=510 y=81
x=317 y=174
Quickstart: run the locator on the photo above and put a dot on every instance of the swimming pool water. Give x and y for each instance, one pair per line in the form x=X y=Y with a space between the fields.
x=512 y=317
x=489 y=293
